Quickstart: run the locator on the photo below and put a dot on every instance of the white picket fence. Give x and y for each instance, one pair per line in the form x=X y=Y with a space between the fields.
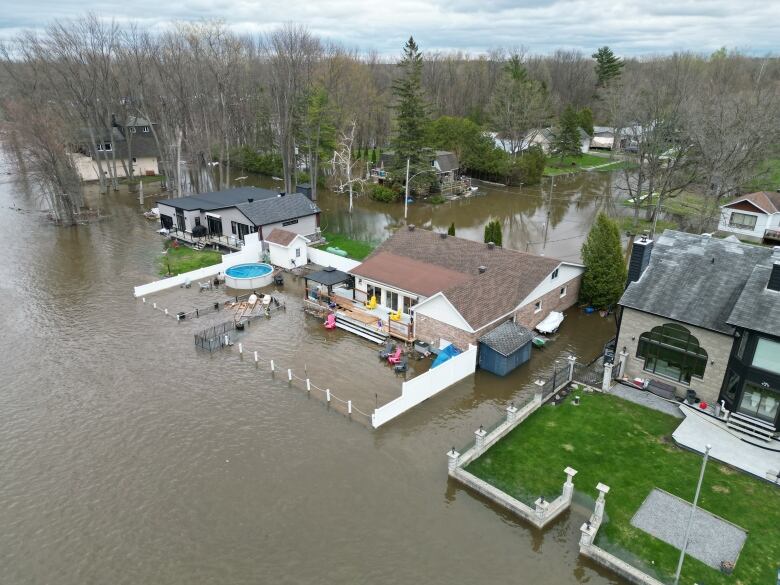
x=426 y=385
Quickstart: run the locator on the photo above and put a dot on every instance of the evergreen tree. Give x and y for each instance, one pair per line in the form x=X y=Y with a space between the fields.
x=585 y=119
x=410 y=109
x=608 y=66
x=493 y=232
x=566 y=141
x=373 y=156
x=451 y=230
x=605 y=271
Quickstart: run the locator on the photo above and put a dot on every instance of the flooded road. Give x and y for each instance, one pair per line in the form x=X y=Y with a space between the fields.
x=129 y=457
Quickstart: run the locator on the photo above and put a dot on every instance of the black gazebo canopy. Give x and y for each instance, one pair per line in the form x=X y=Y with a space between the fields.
x=328 y=276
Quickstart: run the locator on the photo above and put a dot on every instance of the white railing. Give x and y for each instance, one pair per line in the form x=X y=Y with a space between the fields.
x=426 y=385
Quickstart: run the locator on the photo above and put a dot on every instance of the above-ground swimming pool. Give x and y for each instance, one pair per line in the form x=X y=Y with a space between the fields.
x=249 y=276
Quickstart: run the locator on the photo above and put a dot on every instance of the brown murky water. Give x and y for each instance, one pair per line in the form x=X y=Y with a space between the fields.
x=128 y=456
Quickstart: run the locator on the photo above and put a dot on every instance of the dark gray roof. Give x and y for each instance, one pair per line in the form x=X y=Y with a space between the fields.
x=219 y=199
x=758 y=308
x=448 y=161
x=276 y=209
x=695 y=279
x=328 y=276
x=507 y=338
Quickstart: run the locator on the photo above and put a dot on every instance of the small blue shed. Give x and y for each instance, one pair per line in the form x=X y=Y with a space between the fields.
x=505 y=348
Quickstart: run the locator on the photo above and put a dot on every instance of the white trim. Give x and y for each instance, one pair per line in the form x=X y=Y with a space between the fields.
x=749 y=201
x=214 y=215
x=468 y=328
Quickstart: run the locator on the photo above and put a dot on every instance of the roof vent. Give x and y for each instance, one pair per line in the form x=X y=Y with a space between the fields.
x=443 y=235
x=491 y=245
x=482 y=269
x=250 y=200
x=411 y=227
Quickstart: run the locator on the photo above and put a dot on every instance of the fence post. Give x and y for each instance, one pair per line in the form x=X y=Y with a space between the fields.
x=166 y=311
x=511 y=413
x=143 y=299
x=539 y=394
x=572 y=361
x=541 y=506
x=349 y=407
x=308 y=385
x=606 y=382
x=241 y=348
x=289 y=376
x=588 y=534
x=327 y=394
x=598 y=509
x=154 y=305
x=479 y=438
x=272 y=367
x=568 y=486
x=255 y=357
x=452 y=460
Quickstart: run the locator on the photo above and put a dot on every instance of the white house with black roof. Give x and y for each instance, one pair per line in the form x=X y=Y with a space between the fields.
x=237 y=212
x=703 y=314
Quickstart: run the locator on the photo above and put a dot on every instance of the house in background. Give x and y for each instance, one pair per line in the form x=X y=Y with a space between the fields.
x=456 y=290
x=443 y=162
x=703 y=314
x=754 y=217
x=131 y=144
x=227 y=216
x=545 y=137
x=603 y=137
x=609 y=138
x=287 y=249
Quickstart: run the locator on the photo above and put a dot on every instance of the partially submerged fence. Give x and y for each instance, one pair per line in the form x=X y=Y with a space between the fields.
x=426 y=385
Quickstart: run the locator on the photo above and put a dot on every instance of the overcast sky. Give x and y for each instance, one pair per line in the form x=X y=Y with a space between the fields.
x=630 y=27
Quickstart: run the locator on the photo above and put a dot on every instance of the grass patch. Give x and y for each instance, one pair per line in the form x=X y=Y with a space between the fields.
x=144 y=179
x=355 y=249
x=686 y=204
x=627 y=224
x=176 y=260
x=629 y=448
x=574 y=164
x=768 y=178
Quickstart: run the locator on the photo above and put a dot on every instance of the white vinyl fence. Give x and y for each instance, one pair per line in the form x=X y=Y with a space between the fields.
x=323 y=258
x=426 y=385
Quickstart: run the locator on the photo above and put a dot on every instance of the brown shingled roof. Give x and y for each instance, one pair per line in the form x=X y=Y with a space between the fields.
x=280 y=236
x=422 y=256
x=769 y=201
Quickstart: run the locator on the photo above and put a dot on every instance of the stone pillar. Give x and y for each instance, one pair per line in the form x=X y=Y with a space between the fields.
x=539 y=391
x=598 y=510
x=541 y=506
x=572 y=361
x=479 y=438
x=606 y=382
x=588 y=534
x=568 y=486
x=511 y=413
x=622 y=361
x=452 y=460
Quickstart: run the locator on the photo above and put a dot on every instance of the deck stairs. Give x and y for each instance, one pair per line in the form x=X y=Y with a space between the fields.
x=360 y=329
x=747 y=425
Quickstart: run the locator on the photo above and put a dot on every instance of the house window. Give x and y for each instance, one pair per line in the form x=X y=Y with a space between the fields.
x=297 y=252
x=743 y=221
x=233 y=228
x=144 y=128
x=132 y=129
x=104 y=147
x=672 y=352
x=391 y=300
x=563 y=291
x=767 y=355
x=374 y=291
x=134 y=161
x=407 y=308
x=197 y=221
x=537 y=306
x=290 y=222
x=554 y=275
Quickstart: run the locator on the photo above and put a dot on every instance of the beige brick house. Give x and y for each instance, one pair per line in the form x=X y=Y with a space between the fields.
x=458 y=290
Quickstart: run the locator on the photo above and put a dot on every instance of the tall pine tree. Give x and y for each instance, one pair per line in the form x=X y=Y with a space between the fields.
x=567 y=140
x=608 y=66
x=408 y=139
x=605 y=270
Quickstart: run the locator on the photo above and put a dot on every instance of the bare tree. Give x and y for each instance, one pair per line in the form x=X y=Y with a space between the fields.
x=343 y=165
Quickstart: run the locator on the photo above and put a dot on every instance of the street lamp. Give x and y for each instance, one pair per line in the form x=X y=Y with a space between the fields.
x=408 y=178
x=690 y=518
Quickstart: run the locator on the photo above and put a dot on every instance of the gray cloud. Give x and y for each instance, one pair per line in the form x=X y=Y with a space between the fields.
x=630 y=27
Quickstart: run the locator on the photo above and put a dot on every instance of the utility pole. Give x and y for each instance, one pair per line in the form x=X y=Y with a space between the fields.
x=690 y=518
x=547 y=223
x=406 y=193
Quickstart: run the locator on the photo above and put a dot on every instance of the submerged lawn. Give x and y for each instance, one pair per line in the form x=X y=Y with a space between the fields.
x=355 y=249
x=629 y=448
x=574 y=164
x=184 y=259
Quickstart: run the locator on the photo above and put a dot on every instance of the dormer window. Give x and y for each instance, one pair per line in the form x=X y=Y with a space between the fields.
x=144 y=128
x=132 y=129
x=554 y=274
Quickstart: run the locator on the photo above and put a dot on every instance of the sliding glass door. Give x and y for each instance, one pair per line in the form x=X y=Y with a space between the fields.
x=759 y=402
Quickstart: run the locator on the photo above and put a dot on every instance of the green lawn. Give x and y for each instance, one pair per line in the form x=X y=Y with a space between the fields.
x=629 y=448
x=575 y=164
x=355 y=249
x=184 y=259
x=769 y=179
x=627 y=224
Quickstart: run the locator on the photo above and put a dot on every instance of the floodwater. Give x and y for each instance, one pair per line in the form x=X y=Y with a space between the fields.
x=129 y=457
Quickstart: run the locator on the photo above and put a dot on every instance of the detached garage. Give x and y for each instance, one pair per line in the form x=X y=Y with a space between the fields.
x=505 y=348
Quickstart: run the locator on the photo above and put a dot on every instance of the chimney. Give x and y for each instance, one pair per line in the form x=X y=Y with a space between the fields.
x=491 y=245
x=443 y=235
x=774 y=276
x=640 y=258
x=282 y=193
x=411 y=227
x=250 y=200
x=482 y=269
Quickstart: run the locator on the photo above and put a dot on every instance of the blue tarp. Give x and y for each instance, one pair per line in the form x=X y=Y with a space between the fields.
x=445 y=354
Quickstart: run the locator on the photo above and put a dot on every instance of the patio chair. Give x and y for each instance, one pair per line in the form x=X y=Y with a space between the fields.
x=371 y=304
x=396 y=357
x=387 y=351
x=396 y=315
x=401 y=367
x=330 y=322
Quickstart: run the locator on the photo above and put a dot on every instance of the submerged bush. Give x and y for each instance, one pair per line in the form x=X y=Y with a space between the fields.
x=382 y=193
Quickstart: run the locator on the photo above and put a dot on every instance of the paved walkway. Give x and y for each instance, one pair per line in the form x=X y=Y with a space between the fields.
x=699 y=430
x=645 y=398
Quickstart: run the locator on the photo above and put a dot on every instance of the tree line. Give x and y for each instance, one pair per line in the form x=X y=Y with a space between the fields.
x=288 y=102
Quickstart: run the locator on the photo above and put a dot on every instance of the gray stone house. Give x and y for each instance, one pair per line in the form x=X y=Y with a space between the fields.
x=703 y=313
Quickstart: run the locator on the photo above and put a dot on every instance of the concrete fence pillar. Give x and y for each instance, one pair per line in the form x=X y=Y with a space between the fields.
x=572 y=360
x=452 y=459
x=540 y=507
x=511 y=413
x=568 y=486
x=606 y=382
x=598 y=509
x=588 y=531
x=479 y=438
